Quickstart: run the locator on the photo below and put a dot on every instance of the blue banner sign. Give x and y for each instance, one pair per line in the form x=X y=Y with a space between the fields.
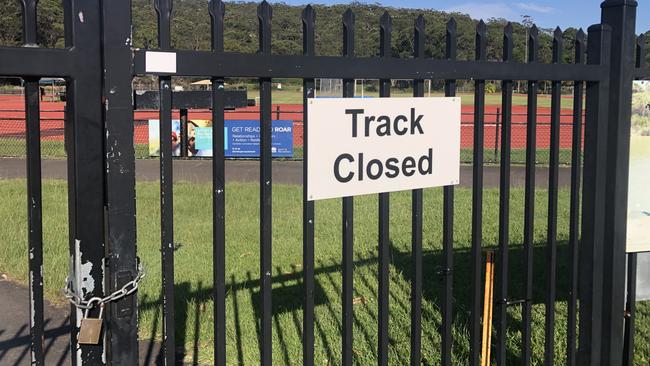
x=242 y=139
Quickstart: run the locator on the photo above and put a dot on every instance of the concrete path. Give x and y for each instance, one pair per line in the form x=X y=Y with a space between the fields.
x=284 y=172
x=14 y=329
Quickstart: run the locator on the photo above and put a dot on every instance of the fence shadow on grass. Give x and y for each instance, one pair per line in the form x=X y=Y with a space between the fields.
x=287 y=296
x=432 y=263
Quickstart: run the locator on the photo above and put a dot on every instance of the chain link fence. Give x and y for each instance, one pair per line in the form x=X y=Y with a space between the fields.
x=494 y=128
x=13 y=143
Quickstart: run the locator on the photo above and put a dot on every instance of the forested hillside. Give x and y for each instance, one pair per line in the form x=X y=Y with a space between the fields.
x=191 y=29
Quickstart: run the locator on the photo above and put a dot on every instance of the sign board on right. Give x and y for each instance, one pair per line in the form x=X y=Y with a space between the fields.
x=638 y=219
x=364 y=146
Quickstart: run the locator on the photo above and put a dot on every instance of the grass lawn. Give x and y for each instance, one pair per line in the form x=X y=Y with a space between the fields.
x=517 y=156
x=55 y=149
x=52 y=149
x=17 y=147
x=193 y=266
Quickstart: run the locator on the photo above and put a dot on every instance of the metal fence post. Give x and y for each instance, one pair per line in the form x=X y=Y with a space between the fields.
x=574 y=215
x=164 y=13
x=217 y=11
x=264 y=15
x=620 y=15
x=308 y=87
x=122 y=315
x=347 y=213
x=591 y=246
x=34 y=193
x=386 y=28
x=84 y=145
x=447 y=307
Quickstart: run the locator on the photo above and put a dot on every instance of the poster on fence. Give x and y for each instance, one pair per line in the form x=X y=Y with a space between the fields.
x=154 y=137
x=199 y=129
x=638 y=219
x=242 y=139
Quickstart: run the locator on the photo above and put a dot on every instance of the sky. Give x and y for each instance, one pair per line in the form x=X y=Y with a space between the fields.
x=545 y=13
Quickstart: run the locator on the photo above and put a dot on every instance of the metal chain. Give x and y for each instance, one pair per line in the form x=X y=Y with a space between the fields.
x=126 y=290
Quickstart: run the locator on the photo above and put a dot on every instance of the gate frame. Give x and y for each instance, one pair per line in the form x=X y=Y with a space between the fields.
x=99 y=64
x=121 y=243
x=605 y=169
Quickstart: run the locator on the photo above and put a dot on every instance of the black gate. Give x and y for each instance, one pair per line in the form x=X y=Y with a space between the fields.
x=99 y=64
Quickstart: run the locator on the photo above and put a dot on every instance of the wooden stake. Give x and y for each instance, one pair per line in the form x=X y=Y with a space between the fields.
x=487 y=309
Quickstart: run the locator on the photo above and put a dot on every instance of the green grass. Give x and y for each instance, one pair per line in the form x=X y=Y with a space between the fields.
x=55 y=149
x=517 y=156
x=490 y=156
x=52 y=149
x=17 y=147
x=193 y=266
x=298 y=152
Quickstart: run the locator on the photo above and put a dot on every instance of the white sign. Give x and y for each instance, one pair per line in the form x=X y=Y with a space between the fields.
x=638 y=204
x=363 y=146
x=156 y=61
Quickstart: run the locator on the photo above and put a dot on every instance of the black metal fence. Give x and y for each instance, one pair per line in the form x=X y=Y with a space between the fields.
x=99 y=65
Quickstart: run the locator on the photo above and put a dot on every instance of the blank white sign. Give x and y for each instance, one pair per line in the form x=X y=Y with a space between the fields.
x=362 y=146
x=638 y=200
x=156 y=61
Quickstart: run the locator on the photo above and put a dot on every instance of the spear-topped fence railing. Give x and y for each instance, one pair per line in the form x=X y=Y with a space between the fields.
x=99 y=64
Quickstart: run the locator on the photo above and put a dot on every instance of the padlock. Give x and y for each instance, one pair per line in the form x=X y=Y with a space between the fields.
x=91 y=328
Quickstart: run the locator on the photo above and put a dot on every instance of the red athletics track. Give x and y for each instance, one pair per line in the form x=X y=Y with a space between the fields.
x=12 y=123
